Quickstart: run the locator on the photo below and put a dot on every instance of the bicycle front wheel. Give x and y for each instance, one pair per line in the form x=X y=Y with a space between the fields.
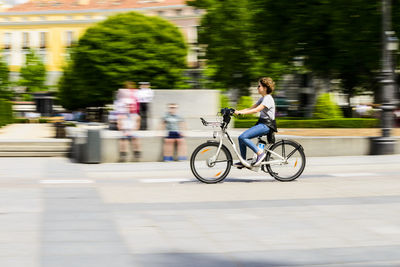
x=287 y=160
x=207 y=166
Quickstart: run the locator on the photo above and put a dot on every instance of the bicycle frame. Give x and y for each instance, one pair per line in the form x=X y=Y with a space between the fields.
x=223 y=132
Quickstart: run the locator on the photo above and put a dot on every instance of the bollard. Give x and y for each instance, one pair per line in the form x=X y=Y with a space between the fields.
x=93 y=146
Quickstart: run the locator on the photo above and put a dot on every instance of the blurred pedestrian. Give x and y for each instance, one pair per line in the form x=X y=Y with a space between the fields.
x=145 y=97
x=128 y=120
x=174 y=124
x=363 y=110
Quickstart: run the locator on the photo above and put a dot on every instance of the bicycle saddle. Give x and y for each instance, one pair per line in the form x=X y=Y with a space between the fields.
x=270 y=137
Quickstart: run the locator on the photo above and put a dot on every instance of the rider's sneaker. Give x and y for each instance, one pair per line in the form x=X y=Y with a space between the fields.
x=238 y=165
x=260 y=158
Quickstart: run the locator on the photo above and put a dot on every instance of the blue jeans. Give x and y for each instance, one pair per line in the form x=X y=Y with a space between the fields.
x=244 y=138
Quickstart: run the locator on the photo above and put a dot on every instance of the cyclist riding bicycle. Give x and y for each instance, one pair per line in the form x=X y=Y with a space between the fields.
x=266 y=122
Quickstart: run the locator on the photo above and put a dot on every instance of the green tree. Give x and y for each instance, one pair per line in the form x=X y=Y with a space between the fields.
x=70 y=91
x=234 y=58
x=225 y=30
x=337 y=38
x=33 y=73
x=5 y=92
x=125 y=47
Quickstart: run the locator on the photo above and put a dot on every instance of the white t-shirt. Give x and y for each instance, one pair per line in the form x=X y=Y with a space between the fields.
x=145 y=95
x=269 y=110
x=128 y=122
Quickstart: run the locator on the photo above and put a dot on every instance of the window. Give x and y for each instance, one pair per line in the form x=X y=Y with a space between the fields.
x=69 y=38
x=25 y=40
x=7 y=40
x=42 y=40
x=161 y=13
x=178 y=12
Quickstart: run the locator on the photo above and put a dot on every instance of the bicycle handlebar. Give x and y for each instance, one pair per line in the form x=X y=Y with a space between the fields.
x=226 y=114
x=227 y=111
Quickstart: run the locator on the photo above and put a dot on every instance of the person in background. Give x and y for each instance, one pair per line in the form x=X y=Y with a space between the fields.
x=145 y=97
x=128 y=120
x=174 y=125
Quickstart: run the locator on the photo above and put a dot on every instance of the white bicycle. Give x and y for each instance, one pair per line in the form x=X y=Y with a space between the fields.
x=211 y=161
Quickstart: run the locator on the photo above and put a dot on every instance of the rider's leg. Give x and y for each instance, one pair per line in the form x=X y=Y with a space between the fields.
x=244 y=139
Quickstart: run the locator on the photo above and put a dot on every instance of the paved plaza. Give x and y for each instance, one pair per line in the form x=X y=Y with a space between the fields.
x=343 y=211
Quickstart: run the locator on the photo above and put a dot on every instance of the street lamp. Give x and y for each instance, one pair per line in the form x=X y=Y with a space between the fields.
x=385 y=144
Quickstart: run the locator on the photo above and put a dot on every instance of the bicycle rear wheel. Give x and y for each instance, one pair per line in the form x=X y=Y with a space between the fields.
x=293 y=165
x=208 y=168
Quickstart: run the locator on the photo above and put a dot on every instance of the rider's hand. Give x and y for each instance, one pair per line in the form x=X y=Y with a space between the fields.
x=237 y=112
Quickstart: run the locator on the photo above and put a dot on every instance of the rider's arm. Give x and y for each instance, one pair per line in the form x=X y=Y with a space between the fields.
x=252 y=110
x=252 y=107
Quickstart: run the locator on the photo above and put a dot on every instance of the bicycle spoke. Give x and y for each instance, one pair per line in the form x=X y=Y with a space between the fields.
x=219 y=161
x=291 y=153
x=291 y=166
x=209 y=164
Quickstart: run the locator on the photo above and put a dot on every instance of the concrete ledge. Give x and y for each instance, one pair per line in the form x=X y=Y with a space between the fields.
x=152 y=141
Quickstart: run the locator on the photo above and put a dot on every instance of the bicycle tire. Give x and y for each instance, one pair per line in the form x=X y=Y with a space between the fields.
x=197 y=161
x=297 y=154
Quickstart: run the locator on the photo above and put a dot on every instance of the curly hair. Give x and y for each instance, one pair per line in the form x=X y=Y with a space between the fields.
x=268 y=83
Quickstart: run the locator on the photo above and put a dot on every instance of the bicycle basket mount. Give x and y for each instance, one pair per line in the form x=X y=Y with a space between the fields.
x=226 y=114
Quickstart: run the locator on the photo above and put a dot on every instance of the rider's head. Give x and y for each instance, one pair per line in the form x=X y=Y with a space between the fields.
x=266 y=85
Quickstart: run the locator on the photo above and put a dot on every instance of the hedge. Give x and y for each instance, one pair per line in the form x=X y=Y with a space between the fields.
x=315 y=123
x=6 y=114
x=21 y=120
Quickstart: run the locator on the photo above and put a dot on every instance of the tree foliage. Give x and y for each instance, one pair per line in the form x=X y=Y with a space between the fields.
x=70 y=89
x=33 y=73
x=5 y=92
x=229 y=52
x=234 y=60
x=337 y=39
x=125 y=47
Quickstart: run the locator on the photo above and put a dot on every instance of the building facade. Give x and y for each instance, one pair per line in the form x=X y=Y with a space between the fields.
x=50 y=27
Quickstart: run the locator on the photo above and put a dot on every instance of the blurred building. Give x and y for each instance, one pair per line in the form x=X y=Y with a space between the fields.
x=51 y=27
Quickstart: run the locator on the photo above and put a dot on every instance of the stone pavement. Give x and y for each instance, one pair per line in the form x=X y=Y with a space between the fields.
x=27 y=131
x=343 y=211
